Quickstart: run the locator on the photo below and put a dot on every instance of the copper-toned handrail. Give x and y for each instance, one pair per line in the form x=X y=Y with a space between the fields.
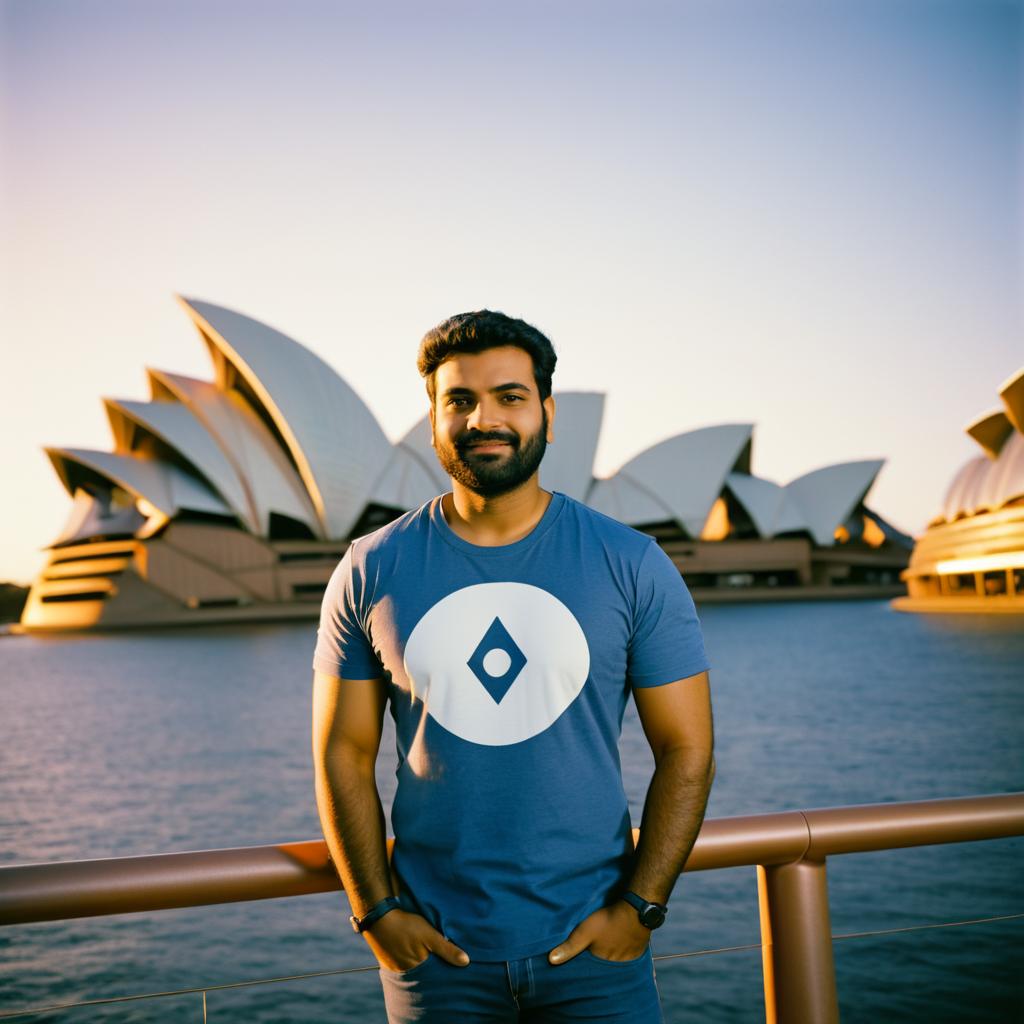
x=788 y=848
x=50 y=892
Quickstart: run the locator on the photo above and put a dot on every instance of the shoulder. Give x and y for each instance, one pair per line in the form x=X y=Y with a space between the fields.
x=627 y=542
x=372 y=556
x=392 y=535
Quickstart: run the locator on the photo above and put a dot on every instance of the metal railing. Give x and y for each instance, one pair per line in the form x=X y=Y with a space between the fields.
x=789 y=850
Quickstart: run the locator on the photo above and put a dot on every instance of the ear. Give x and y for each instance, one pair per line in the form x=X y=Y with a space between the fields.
x=433 y=439
x=549 y=408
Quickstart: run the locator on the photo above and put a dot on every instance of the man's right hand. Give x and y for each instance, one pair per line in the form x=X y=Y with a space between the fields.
x=401 y=940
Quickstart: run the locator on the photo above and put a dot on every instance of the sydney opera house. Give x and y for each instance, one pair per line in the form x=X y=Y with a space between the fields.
x=971 y=557
x=233 y=499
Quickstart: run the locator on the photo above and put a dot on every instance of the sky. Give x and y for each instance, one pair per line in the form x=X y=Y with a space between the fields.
x=805 y=216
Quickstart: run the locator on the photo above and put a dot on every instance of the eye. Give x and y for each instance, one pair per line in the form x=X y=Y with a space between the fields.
x=511 y=398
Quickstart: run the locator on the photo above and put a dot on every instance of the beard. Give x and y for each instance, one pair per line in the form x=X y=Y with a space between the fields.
x=491 y=475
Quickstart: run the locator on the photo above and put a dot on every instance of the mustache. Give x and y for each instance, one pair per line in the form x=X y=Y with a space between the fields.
x=477 y=436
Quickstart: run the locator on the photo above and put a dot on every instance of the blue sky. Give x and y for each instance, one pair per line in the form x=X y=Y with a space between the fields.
x=805 y=216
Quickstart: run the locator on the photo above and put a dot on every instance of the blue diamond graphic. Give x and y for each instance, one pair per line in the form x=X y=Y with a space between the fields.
x=499 y=653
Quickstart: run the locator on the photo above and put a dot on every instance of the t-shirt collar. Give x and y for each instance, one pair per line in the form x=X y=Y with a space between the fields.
x=440 y=524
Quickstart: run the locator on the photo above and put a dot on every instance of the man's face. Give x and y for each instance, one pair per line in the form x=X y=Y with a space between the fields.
x=490 y=427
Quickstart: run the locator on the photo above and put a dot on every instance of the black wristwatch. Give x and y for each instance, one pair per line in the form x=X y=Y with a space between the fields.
x=374 y=914
x=652 y=915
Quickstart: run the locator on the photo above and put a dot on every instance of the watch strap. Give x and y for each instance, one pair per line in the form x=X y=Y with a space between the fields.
x=637 y=902
x=374 y=914
x=652 y=915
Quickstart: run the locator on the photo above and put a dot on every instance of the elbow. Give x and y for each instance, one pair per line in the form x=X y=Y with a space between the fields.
x=696 y=764
x=701 y=768
x=343 y=760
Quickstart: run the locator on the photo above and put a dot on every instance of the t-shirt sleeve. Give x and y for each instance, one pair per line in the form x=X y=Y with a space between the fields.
x=666 y=643
x=342 y=647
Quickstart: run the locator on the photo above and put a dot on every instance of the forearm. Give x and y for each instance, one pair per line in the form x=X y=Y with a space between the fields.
x=673 y=812
x=352 y=820
x=353 y=823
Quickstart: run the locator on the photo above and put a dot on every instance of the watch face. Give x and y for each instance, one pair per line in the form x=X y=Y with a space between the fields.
x=652 y=916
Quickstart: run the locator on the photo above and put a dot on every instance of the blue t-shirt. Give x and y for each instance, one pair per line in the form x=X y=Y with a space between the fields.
x=508 y=671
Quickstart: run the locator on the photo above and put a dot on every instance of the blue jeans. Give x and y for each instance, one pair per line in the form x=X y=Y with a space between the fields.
x=530 y=991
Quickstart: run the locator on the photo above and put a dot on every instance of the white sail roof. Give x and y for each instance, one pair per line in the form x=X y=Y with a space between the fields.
x=687 y=472
x=334 y=439
x=826 y=497
x=627 y=501
x=568 y=464
x=960 y=494
x=405 y=482
x=89 y=518
x=982 y=485
x=768 y=504
x=991 y=430
x=986 y=483
x=164 y=486
x=417 y=441
x=270 y=480
x=1011 y=391
x=175 y=425
x=1006 y=474
x=790 y=517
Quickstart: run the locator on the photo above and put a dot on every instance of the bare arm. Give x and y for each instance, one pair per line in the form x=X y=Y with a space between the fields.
x=676 y=719
x=677 y=722
x=347 y=716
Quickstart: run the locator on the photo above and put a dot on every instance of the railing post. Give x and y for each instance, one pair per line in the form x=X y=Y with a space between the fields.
x=796 y=944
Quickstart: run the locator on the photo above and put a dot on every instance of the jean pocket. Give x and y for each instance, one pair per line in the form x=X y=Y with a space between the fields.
x=409 y=971
x=616 y=963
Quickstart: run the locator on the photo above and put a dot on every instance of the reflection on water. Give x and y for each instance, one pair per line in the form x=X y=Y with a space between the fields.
x=142 y=743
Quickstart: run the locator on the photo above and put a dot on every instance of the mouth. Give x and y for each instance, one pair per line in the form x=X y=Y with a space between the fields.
x=487 y=447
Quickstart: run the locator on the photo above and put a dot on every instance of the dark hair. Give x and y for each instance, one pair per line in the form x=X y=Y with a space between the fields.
x=479 y=331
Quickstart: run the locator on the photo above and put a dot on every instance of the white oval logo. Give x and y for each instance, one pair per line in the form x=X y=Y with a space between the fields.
x=497 y=663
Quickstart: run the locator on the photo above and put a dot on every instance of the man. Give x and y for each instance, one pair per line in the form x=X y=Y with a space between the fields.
x=506 y=626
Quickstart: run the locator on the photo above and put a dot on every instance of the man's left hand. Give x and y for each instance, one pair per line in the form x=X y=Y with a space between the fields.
x=611 y=933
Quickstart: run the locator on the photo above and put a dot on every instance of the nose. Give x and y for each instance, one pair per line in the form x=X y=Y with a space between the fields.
x=485 y=416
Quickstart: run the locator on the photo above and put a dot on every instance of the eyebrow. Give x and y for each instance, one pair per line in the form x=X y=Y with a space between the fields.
x=500 y=388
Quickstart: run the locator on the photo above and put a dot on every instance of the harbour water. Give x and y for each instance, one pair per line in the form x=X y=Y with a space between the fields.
x=167 y=741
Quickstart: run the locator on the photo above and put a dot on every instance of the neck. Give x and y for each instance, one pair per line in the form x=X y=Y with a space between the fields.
x=490 y=522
